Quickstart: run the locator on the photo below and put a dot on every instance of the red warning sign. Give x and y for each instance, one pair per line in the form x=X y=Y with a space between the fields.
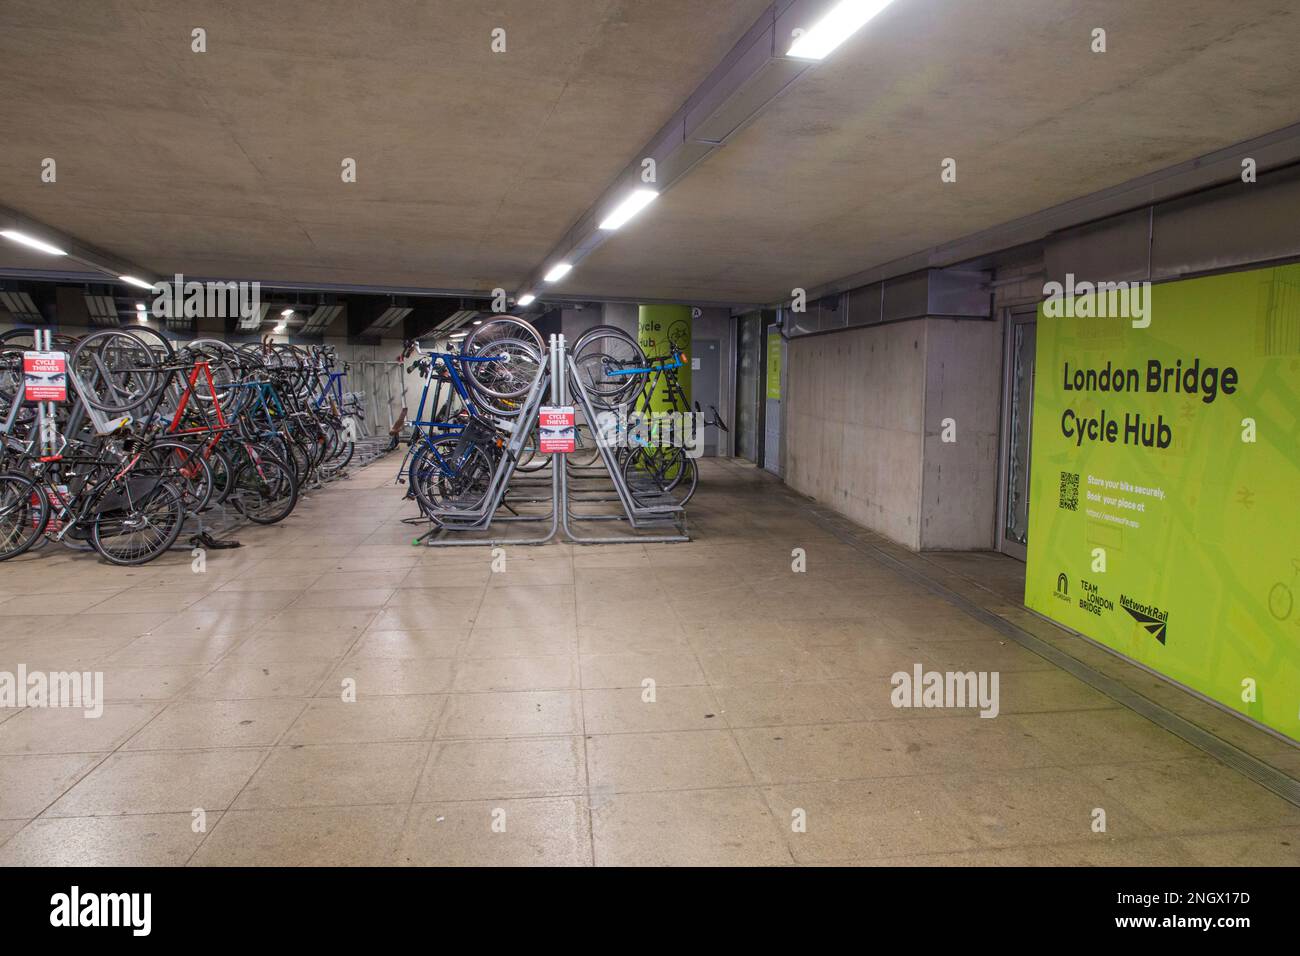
x=45 y=376
x=556 y=430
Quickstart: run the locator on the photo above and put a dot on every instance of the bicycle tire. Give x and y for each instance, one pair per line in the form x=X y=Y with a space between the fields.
x=134 y=385
x=589 y=356
x=163 y=491
x=18 y=530
x=265 y=491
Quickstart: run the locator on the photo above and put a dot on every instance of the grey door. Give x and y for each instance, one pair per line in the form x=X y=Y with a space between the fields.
x=772 y=404
x=706 y=387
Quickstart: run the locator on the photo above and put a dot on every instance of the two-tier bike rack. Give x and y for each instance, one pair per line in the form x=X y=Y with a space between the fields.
x=646 y=522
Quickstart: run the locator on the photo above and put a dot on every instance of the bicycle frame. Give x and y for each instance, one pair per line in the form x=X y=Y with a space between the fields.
x=419 y=436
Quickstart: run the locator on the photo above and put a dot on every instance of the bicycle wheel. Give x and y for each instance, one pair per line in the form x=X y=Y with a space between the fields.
x=663 y=476
x=12 y=384
x=222 y=471
x=502 y=327
x=225 y=367
x=340 y=452
x=117 y=369
x=585 y=451
x=502 y=383
x=529 y=458
x=137 y=518
x=456 y=479
x=24 y=512
x=188 y=470
x=287 y=451
x=597 y=357
x=265 y=490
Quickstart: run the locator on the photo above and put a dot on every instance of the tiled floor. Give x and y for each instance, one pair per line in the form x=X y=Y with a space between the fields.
x=641 y=704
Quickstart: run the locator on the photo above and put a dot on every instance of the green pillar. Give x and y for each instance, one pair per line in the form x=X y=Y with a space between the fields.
x=657 y=327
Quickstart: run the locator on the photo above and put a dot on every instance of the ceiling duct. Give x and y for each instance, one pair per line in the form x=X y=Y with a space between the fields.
x=457 y=319
x=102 y=310
x=931 y=293
x=21 y=307
x=321 y=319
x=390 y=317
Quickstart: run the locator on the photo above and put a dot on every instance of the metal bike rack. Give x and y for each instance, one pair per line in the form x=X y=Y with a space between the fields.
x=482 y=517
x=563 y=383
x=377 y=393
x=637 y=515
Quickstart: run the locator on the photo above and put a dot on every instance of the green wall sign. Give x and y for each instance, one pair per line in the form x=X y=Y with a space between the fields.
x=658 y=327
x=774 y=364
x=1165 y=483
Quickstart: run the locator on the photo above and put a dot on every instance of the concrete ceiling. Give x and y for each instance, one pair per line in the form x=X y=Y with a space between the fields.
x=471 y=165
x=842 y=173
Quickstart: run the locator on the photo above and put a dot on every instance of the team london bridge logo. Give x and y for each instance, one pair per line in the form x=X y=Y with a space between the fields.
x=1153 y=620
x=1093 y=601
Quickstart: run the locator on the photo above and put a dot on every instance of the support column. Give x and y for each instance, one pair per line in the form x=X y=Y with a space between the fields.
x=658 y=327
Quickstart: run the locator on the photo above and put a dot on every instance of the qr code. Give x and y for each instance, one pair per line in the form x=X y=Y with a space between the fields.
x=1070 y=491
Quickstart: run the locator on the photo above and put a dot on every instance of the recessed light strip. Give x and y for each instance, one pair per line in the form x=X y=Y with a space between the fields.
x=841 y=22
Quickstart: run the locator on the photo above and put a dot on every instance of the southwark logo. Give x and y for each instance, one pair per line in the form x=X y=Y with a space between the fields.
x=1062 y=591
x=1152 y=619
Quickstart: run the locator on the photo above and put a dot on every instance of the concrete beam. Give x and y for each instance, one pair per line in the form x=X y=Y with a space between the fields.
x=97 y=259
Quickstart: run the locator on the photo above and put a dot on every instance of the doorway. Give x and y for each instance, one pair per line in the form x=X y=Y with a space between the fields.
x=706 y=389
x=749 y=384
x=1017 y=430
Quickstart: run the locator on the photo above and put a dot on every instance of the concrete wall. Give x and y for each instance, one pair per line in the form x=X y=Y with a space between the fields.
x=865 y=414
x=959 y=483
x=856 y=424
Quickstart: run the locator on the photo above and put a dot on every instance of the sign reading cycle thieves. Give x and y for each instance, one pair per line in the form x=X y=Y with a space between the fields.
x=45 y=377
x=556 y=430
x=1165 y=484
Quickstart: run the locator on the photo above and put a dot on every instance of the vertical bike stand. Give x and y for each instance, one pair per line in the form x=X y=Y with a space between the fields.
x=481 y=518
x=563 y=383
x=636 y=514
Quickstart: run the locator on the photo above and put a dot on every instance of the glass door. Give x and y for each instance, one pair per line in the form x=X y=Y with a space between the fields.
x=749 y=378
x=1017 y=431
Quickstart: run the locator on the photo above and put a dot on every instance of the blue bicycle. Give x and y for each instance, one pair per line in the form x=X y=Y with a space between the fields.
x=470 y=399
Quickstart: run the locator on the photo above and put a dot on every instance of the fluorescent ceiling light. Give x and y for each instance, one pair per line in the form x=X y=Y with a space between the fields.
x=25 y=240
x=286 y=313
x=279 y=327
x=138 y=283
x=628 y=208
x=527 y=299
x=478 y=322
x=139 y=306
x=843 y=20
x=558 y=272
